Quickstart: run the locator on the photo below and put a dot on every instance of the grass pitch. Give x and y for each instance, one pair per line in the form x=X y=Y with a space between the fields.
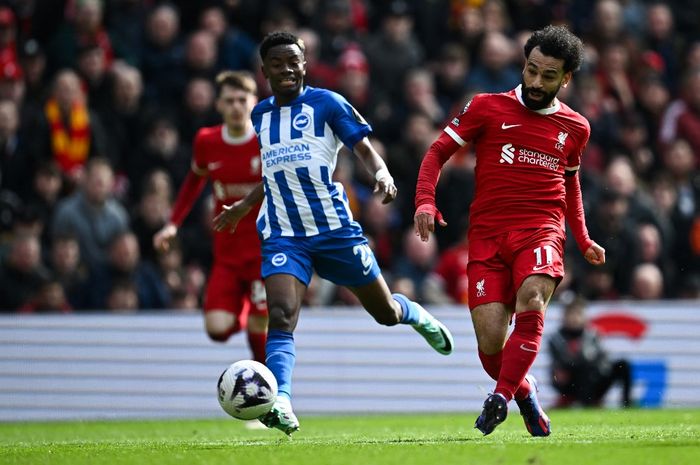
x=600 y=437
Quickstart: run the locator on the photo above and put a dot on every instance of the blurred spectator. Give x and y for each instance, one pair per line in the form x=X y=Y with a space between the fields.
x=419 y=95
x=92 y=214
x=647 y=282
x=125 y=115
x=451 y=76
x=161 y=149
x=68 y=268
x=610 y=224
x=467 y=25
x=50 y=297
x=404 y=160
x=125 y=265
x=83 y=25
x=320 y=73
x=393 y=50
x=33 y=62
x=614 y=72
x=449 y=282
x=581 y=370
x=686 y=124
x=415 y=262
x=236 y=49
x=46 y=187
x=336 y=29
x=91 y=65
x=122 y=297
x=16 y=165
x=151 y=214
x=633 y=143
x=661 y=38
x=197 y=110
x=68 y=131
x=21 y=272
x=8 y=37
x=124 y=20
x=162 y=55
x=201 y=55
x=652 y=250
x=495 y=69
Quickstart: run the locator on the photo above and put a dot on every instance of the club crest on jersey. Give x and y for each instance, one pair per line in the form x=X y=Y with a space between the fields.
x=301 y=121
x=561 y=140
x=481 y=288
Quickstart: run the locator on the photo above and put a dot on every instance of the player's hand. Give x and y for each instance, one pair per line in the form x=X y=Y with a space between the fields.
x=162 y=240
x=595 y=254
x=424 y=221
x=386 y=187
x=230 y=216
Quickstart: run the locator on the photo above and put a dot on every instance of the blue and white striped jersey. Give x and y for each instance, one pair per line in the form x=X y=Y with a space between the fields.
x=299 y=145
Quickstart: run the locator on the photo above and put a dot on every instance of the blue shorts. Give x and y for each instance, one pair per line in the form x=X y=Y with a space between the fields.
x=341 y=256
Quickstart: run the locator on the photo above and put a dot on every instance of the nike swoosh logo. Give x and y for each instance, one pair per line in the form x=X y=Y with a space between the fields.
x=527 y=349
x=538 y=268
x=214 y=165
x=508 y=126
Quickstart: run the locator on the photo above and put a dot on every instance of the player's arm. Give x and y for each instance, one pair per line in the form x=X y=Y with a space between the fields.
x=375 y=164
x=592 y=252
x=232 y=214
x=191 y=187
x=426 y=210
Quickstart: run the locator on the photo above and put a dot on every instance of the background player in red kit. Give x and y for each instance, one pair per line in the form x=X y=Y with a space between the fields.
x=528 y=148
x=229 y=156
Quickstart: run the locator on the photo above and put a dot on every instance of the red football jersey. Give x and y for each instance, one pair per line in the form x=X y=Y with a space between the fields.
x=521 y=157
x=233 y=167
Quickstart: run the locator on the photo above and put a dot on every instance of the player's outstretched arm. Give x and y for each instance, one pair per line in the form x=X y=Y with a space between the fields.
x=231 y=214
x=375 y=164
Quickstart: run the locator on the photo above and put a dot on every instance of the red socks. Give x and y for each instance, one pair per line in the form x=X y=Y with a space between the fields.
x=492 y=366
x=256 y=342
x=517 y=356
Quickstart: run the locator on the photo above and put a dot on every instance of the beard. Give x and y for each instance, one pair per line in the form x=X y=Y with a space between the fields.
x=545 y=99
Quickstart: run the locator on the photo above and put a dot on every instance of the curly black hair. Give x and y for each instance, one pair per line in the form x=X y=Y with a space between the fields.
x=557 y=42
x=279 y=38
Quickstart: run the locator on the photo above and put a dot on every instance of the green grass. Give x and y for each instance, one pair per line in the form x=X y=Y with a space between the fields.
x=600 y=437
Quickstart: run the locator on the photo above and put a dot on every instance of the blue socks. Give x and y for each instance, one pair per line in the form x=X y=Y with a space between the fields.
x=280 y=359
x=411 y=314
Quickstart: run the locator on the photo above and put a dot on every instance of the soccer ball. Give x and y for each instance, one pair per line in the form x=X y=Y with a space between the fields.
x=247 y=389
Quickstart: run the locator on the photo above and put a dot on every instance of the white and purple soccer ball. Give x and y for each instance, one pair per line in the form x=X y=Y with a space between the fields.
x=247 y=389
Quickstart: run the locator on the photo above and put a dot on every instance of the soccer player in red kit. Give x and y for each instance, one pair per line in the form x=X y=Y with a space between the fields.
x=528 y=148
x=229 y=156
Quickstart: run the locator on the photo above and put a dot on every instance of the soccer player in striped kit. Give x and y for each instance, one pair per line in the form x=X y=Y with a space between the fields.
x=229 y=156
x=305 y=221
x=528 y=149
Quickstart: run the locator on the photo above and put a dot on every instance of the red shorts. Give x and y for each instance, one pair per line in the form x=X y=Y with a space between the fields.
x=498 y=265
x=238 y=290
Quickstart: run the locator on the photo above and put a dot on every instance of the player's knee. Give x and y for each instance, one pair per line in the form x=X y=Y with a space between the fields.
x=281 y=317
x=219 y=336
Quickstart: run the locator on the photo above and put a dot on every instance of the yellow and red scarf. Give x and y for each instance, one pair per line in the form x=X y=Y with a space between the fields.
x=71 y=145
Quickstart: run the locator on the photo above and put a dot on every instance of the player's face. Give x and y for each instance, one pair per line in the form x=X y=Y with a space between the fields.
x=284 y=67
x=542 y=78
x=235 y=106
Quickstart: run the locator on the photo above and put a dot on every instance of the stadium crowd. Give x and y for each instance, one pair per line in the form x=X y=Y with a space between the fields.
x=98 y=112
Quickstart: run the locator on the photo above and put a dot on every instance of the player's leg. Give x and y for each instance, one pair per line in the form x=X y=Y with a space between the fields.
x=257 y=319
x=222 y=303
x=286 y=269
x=388 y=309
x=350 y=262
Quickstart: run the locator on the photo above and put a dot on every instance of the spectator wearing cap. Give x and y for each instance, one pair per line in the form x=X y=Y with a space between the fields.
x=33 y=62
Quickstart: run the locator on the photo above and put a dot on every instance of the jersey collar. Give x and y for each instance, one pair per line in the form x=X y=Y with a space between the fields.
x=544 y=111
x=231 y=140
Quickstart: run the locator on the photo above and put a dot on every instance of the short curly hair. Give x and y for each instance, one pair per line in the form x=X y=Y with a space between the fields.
x=557 y=42
x=279 y=38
